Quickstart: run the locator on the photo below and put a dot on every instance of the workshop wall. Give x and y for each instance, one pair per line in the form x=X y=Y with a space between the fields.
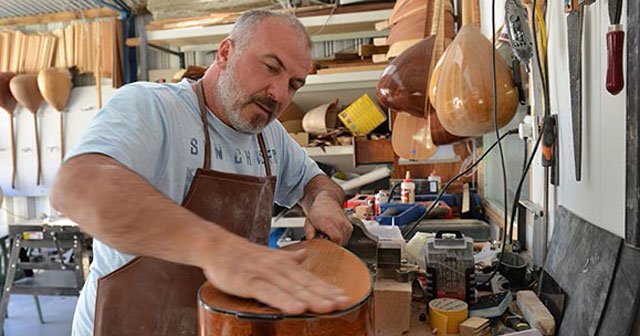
x=600 y=197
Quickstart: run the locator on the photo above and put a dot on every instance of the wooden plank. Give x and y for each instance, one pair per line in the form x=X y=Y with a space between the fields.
x=372 y=151
x=59 y=17
x=382 y=25
x=379 y=58
x=380 y=41
x=392 y=307
x=494 y=214
x=352 y=68
x=108 y=46
x=367 y=50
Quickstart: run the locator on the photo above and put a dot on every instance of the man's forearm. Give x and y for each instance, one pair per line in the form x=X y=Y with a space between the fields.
x=321 y=186
x=120 y=208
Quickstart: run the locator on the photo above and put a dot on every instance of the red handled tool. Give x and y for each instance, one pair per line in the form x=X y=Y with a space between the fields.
x=615 y=47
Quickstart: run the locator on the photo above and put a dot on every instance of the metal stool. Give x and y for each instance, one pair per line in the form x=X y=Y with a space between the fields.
x=56 y=277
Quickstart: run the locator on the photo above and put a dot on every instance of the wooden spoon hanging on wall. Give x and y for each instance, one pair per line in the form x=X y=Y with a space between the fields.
x=55 y=85
x=464 y=97
x=8 y=103
x=25 y=90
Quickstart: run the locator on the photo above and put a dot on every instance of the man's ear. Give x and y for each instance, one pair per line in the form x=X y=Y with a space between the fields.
x=225 y=50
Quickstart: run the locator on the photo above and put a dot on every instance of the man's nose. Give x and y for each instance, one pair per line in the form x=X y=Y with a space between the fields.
x=278 y=90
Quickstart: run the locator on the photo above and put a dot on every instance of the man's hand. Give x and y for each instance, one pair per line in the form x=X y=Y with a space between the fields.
x=327 y=216
x=270 y=276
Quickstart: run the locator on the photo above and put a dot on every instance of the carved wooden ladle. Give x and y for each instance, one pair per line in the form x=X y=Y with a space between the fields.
x=25 y=90
x=55 y=86
x=8 y=103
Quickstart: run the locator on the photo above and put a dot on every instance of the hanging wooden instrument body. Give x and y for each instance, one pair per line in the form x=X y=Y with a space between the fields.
x=25 y=90
x=404 y=86
x=410 y=19
x=55 y=85
x=464 y=94
x=220 y=314
x=9 y=103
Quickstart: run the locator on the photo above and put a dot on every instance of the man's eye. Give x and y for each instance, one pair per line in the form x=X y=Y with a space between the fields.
x=271 y=68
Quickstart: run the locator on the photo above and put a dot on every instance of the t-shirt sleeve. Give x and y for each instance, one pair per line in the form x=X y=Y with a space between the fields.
x=130 y=129
x=296 y=170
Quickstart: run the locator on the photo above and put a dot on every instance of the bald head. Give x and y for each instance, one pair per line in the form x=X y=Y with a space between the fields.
x=245 y=27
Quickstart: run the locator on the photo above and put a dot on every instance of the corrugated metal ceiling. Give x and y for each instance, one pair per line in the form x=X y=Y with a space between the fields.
x=17 y=8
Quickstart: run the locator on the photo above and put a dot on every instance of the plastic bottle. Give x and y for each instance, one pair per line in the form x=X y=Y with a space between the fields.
x=434 y=182
x=407 y=190
x=381 y=197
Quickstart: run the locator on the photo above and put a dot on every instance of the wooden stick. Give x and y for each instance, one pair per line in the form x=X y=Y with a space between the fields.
x=98 y=65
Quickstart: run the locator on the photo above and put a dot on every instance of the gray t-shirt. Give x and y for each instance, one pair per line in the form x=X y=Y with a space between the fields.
x=156 y=131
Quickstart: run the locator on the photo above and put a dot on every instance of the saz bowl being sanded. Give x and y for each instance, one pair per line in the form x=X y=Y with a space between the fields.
x=220 y=314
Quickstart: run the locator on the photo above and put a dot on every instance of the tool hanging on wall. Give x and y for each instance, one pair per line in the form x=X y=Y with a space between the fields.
x=574 y=36
x=515 y=17
x=575 y=15
x=25 y=90
x=8 y=103
x=549 y=147
x=615 y=47
x=55 y=85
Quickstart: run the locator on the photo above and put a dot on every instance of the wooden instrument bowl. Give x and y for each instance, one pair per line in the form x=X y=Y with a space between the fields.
x=221 y=314
x=464 y=95
x=7 y=102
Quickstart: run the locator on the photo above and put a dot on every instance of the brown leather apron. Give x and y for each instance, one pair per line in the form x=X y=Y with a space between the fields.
x=149 y=296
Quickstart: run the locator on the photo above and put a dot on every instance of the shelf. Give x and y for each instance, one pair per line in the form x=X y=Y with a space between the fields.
x=315 y=152
x=342 y=81
x=321 y=28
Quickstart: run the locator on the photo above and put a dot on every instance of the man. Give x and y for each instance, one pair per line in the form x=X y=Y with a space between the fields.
x=137 y=162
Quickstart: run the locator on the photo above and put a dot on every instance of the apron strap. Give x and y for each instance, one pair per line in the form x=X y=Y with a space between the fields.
x=205 y=125
x=263 y=150
x=207 y=144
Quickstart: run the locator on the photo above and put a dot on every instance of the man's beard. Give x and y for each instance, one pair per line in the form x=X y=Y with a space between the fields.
x=233 y=100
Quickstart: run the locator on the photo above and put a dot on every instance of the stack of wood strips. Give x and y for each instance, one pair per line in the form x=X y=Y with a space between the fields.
x=22 y=53
x=86 y=45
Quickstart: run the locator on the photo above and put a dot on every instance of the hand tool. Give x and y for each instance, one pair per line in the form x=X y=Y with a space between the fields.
x=615 y=46
x=574 y=36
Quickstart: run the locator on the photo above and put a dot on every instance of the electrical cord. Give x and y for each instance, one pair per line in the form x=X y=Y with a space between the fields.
x=410 y=229
x=510 y=224
x=495 y=110
x=508 y=230
x=525 y=156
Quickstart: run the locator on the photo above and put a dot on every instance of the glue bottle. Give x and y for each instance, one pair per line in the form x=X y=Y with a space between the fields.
x=407 y=189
